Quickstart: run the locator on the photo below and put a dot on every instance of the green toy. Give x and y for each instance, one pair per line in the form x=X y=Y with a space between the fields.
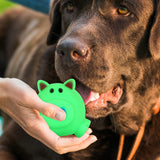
x=67 y=98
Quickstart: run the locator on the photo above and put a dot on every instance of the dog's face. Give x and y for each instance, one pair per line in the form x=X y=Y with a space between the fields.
x=107 y=46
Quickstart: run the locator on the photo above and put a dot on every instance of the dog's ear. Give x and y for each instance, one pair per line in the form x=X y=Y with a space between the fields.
x=154 y=41
x=55 y=16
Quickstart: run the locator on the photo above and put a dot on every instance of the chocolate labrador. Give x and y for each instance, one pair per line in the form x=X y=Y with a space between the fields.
x=111 y=48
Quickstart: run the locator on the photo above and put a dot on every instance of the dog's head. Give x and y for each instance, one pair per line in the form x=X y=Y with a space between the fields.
x=111 y=48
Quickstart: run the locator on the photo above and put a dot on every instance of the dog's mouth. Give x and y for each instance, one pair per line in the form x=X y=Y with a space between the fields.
x=97 y=103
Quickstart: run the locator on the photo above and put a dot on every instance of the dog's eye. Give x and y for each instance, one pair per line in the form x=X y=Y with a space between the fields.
x=69 y=7
x=122 y=10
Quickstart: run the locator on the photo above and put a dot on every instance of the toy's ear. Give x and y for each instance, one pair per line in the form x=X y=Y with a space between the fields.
x=41 y=85
x=71 y=83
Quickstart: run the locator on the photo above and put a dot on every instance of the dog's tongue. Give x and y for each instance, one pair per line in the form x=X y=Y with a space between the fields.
x=85 y=92
x=92 y=98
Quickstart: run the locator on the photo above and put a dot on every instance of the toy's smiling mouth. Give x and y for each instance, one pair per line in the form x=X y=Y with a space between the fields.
x=99 y=100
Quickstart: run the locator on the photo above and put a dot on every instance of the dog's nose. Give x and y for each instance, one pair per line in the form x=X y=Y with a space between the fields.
x=74 y=48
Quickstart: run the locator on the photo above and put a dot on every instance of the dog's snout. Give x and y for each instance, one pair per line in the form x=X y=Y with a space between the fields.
x=73 y=48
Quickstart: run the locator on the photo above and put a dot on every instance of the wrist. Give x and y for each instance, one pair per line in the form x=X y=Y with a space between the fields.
x=3 y=89
x=2 y=92
x=2 y=84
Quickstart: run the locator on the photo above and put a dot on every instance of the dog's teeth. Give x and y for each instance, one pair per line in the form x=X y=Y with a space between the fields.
x=94 y=97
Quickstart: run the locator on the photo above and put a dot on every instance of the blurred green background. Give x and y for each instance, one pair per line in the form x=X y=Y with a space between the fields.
x=4 y=5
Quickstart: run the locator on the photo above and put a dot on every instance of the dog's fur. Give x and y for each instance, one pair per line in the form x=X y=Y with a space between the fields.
x=121 y=49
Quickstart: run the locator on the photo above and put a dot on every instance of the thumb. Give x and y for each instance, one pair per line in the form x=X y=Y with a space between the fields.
x=49 y=110
x=52 y=111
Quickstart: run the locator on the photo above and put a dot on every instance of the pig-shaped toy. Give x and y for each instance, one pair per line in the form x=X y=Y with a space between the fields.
x=67 y=98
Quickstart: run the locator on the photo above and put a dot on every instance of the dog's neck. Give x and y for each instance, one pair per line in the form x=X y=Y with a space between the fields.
x=139 y=137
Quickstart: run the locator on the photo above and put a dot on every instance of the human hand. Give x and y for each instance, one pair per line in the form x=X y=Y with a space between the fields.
x=22 y=103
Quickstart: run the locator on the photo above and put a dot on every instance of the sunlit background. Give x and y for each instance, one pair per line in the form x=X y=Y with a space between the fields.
x=4 y=5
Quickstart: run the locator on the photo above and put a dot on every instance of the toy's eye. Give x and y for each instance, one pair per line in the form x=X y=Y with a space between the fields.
x=122 y=10
x=51 y=90
x=60 y=90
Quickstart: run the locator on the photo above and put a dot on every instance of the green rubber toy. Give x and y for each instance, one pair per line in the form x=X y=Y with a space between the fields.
x=67 y=98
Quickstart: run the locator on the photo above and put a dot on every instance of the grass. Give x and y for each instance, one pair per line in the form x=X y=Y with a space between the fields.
x=4 y=5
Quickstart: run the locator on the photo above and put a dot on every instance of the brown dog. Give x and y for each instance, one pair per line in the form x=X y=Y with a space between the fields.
x=112 y=50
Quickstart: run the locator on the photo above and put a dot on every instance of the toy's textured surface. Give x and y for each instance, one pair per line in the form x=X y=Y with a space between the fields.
x=67 y=98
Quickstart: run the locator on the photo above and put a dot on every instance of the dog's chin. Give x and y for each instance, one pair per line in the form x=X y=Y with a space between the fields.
x=100 y=104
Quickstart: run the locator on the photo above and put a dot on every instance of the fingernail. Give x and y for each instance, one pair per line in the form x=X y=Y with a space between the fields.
x=89 y=131
x=60 y=116
x=93 y=139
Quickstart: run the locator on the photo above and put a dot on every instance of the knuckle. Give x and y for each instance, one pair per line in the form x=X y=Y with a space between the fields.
x=48 y=112
x=61 y=152
x=84 y=146
x=59 y=149
x=73 y=141
x=25 y=97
